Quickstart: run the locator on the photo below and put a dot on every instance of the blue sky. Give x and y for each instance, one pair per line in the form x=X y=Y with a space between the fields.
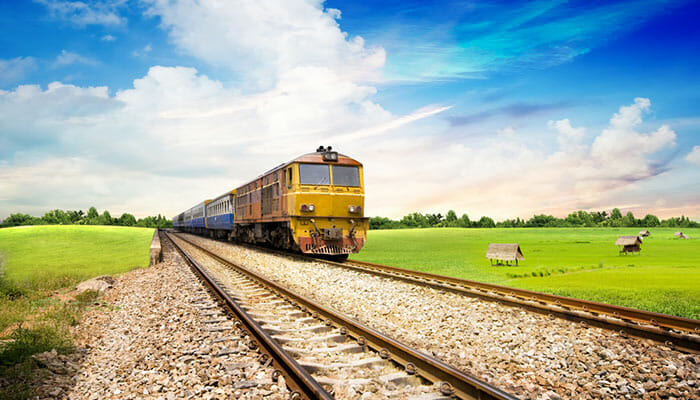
x=478 y=90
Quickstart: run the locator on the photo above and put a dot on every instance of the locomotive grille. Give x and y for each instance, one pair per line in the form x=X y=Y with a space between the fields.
x=328 y=249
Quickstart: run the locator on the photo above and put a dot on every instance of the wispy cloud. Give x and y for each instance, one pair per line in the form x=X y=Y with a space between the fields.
x=388 y=126
x=470 y=42
x=694 y=156
x=108 y=38
x=516 y=110
x=70 y=58
x=15 y=69
x=83 y=13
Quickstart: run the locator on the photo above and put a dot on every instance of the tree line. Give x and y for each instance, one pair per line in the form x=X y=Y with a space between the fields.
x=71 y=217
x=574 y=219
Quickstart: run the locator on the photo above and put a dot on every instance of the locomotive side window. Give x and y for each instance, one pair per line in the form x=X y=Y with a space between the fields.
x=314 y=174
x=346 y=176
x=289 y=178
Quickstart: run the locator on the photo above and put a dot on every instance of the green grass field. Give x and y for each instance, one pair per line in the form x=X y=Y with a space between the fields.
x=39 y=255
x=38 y=260
x=576 y=262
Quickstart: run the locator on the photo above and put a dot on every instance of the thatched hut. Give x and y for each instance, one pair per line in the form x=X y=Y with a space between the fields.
x=504 y=253
x=629 y=244
x=644 y=233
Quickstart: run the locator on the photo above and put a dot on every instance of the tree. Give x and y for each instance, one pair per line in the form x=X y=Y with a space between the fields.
x=451 y=219
x=650 y=220
x=628 y=220
x=19 y=219
x=56 y=217
x=464 y=221
x=434 y=219
x=105 y=218
x=615 y=214
x=126 y=220
x=486 y=222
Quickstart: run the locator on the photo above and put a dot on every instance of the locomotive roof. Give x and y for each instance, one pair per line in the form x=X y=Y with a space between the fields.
x=317 y=157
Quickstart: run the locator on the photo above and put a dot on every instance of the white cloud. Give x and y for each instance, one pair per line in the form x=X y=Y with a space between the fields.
x=15 y=69
x=264 y=39
x=178 y=136
x=70 y=58
x=108 y=38
x=569 y=138
x=694 y=156
x=83 y=13
x=508 y=131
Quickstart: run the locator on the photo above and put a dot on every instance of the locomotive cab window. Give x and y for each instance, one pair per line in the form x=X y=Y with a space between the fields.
x=314 y=174
x=346 y=176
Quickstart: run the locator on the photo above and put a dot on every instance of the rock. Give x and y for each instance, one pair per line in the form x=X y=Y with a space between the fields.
x=100 y=284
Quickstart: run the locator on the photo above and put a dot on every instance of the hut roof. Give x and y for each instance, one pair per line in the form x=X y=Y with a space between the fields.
x=504 y=251
x=628 y=241
x=644 y=233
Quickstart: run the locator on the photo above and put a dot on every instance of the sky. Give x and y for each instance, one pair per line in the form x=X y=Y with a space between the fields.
x=504 y=109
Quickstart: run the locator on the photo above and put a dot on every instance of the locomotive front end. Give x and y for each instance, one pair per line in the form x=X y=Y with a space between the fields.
x=326 y=202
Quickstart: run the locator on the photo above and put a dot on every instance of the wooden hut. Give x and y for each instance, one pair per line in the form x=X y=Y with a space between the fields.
x=644 y=233
x=629 y=244
x=504 y=253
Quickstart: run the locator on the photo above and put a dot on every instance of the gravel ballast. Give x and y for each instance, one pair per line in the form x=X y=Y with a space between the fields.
x=528 y=354
x=163 y=337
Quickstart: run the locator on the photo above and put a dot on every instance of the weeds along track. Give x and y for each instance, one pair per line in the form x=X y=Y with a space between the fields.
x=533 y=354
x=345 y=359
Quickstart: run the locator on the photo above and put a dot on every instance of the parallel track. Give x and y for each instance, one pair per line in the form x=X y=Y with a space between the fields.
x=452 y=382
x=680 y=333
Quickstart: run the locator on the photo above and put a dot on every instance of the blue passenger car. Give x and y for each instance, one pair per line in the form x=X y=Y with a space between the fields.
x=220 y=212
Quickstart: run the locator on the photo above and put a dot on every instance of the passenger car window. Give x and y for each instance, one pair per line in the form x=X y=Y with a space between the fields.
x=314 y=174
x=346 y=176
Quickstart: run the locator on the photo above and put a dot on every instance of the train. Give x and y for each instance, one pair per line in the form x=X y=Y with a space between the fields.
x=313 y=204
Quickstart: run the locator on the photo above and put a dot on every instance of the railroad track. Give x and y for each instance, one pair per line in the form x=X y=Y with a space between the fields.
x=676 y=332
x=320 y=352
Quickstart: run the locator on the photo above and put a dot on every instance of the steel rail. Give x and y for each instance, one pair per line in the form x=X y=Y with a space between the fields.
x=452 y=381
x=681 y=333
x=677 y=332
x=301 y=382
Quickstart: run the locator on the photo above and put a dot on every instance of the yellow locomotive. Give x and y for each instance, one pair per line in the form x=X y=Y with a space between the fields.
x=313 y=204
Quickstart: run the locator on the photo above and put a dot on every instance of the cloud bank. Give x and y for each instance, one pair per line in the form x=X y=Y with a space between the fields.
x=178 y=136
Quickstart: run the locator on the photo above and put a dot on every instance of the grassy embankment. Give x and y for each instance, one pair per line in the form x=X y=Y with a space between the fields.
x=575 y=262
x=40 y=261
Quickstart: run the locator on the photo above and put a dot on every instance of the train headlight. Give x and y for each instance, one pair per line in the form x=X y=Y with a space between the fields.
x=330 y=155
x=355 y=209
x=306 y=208
x=311 y=207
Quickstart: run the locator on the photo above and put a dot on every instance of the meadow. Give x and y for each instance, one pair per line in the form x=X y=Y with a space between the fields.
x=37 y=263
x=53 y=254
x=576 y=262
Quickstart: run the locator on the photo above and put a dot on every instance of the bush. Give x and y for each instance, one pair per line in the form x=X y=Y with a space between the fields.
x=24 y=342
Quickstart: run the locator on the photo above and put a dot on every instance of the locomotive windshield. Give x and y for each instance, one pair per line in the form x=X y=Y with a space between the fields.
x=346 y=176
x=314 y=174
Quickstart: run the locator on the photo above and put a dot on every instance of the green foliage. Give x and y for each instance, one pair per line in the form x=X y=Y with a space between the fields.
x=575 y=219
x=581 y=262
x=87 y=296
x=71 y=217
x=25 y=342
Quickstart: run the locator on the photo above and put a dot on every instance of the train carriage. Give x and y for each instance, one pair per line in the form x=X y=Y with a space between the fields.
x=313 y=204
x=220 y=215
